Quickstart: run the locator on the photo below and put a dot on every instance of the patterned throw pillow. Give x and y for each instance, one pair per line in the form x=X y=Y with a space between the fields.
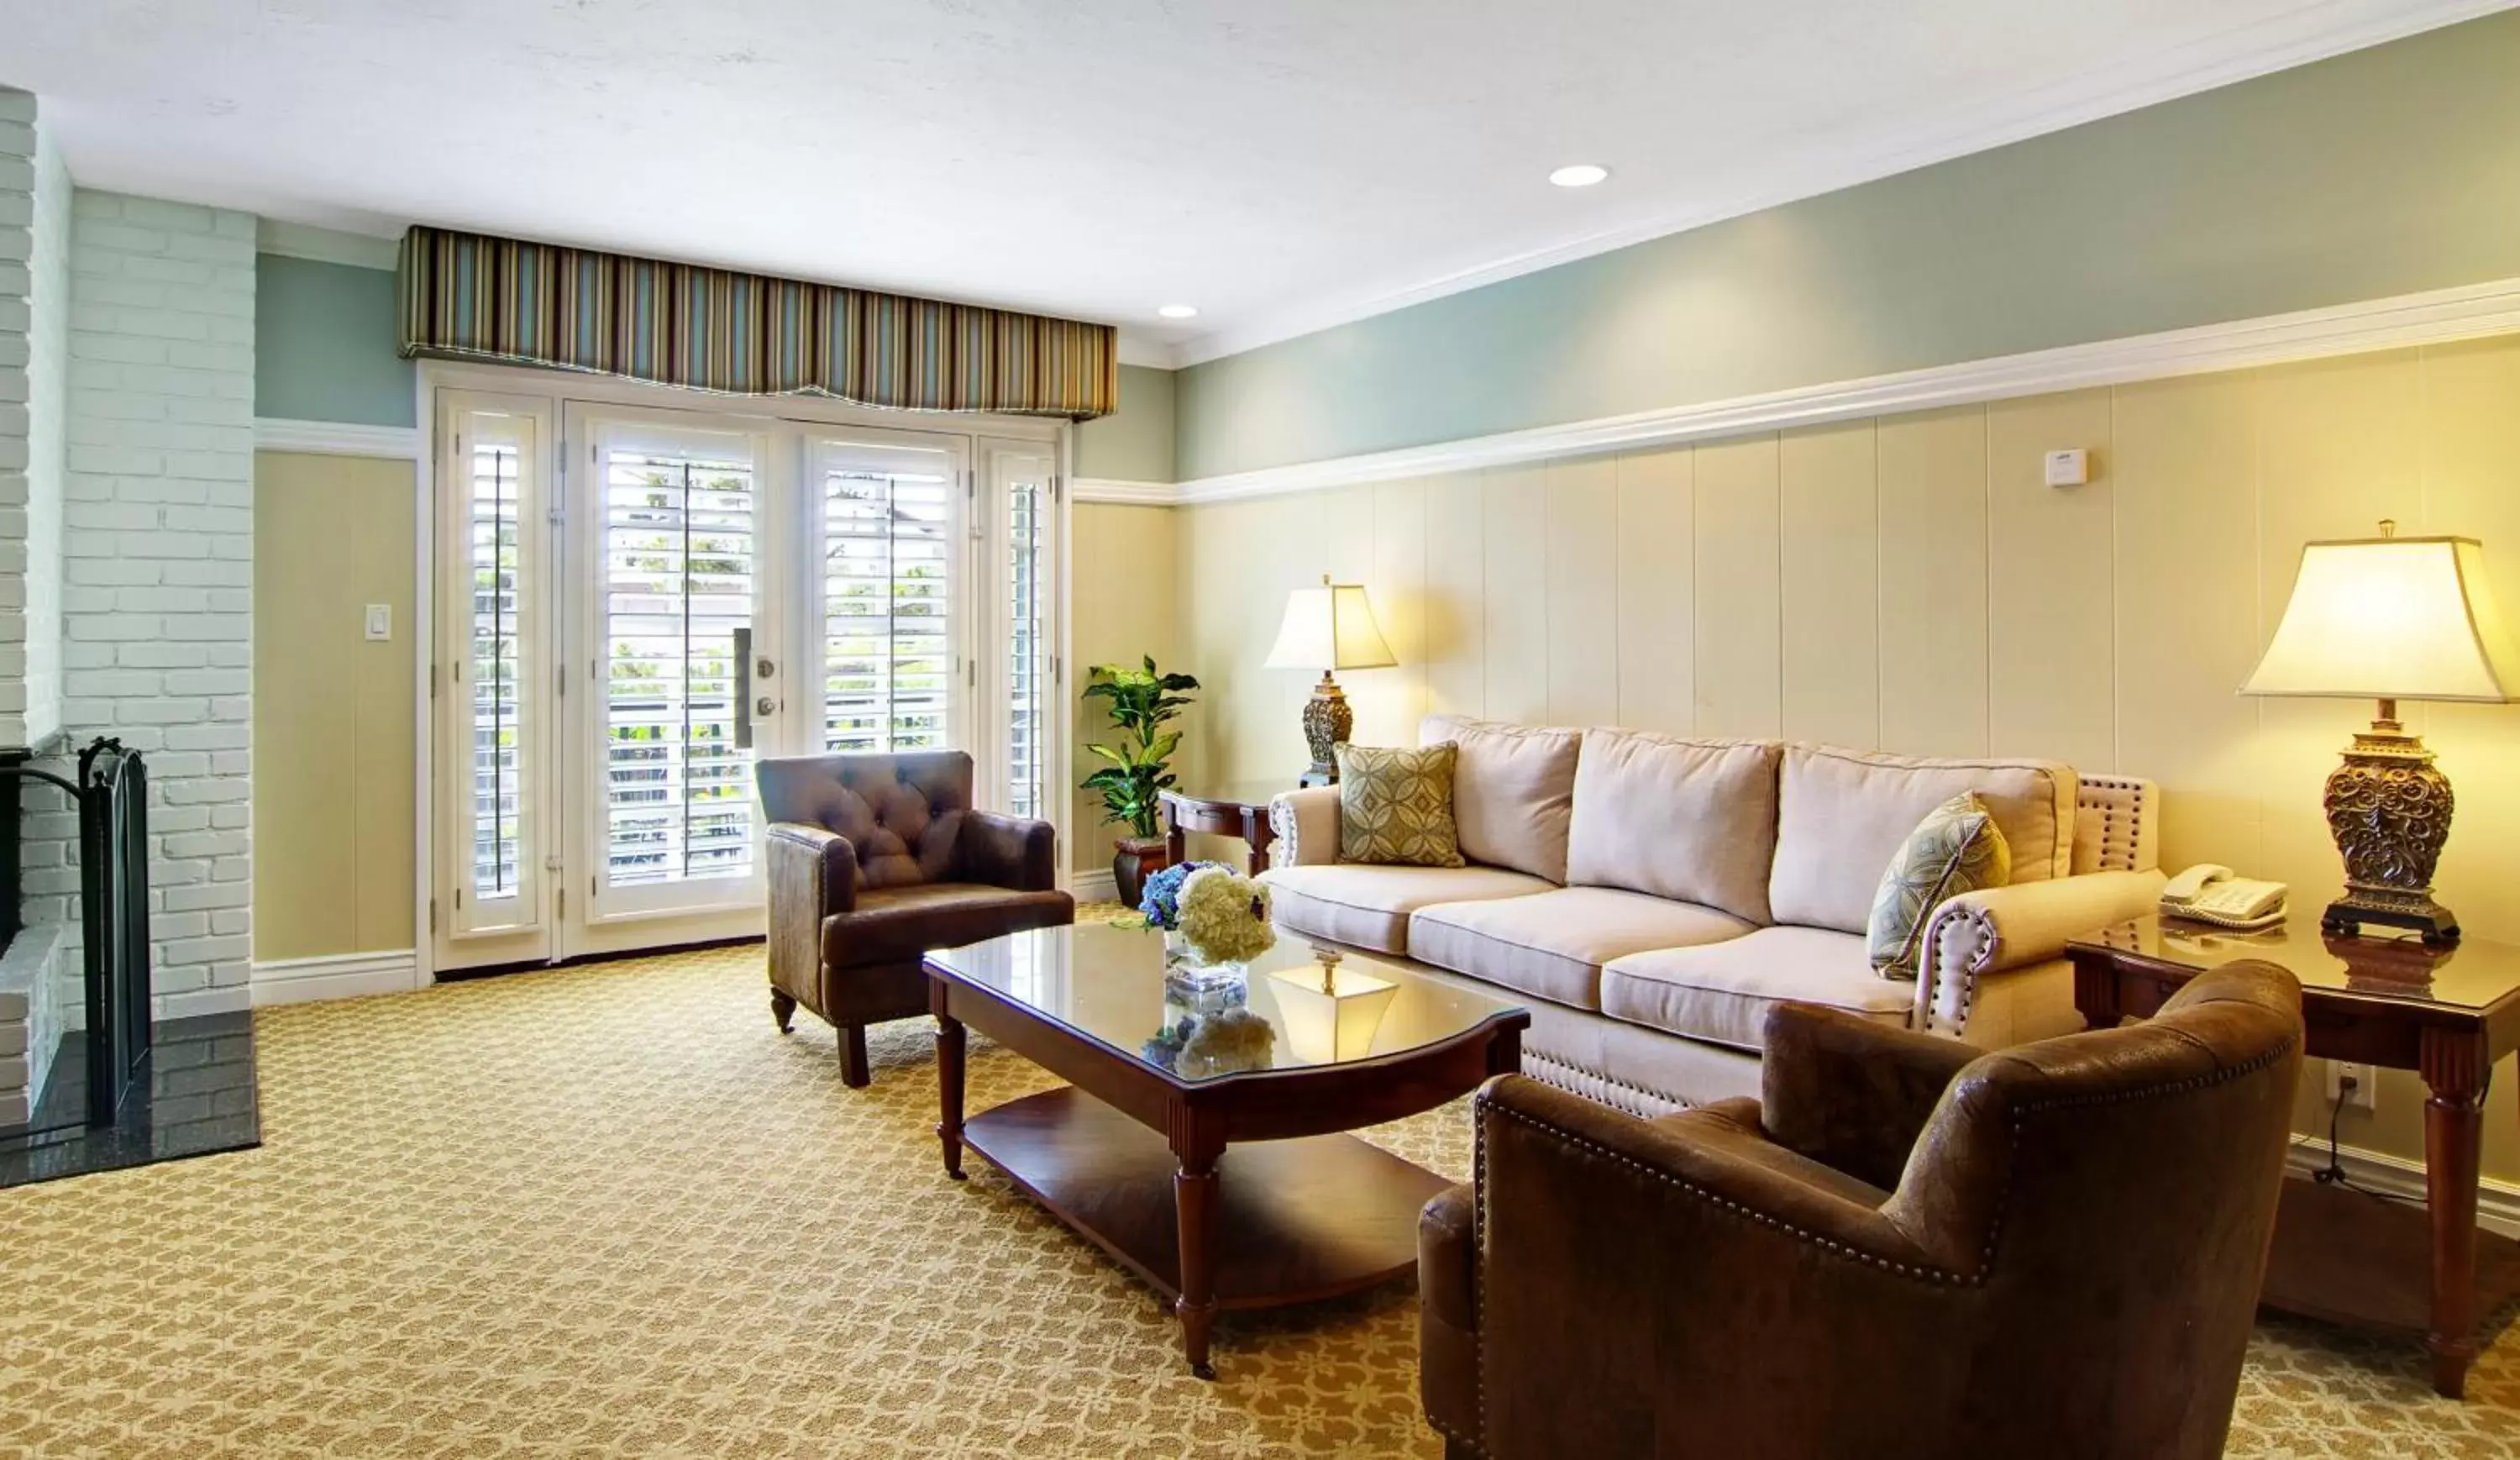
x=1956 y=848
x=1396 y=805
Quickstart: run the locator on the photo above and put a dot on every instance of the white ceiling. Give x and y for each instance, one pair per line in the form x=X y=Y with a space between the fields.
x=1282 y=165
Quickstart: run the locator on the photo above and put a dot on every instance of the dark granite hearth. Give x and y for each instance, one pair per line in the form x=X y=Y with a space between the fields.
x=195 y=1098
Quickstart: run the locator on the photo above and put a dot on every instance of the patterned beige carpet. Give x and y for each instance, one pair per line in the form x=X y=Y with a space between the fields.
x=608 y=1212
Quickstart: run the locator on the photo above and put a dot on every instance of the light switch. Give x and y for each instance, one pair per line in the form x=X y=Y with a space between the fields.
x=381 y=620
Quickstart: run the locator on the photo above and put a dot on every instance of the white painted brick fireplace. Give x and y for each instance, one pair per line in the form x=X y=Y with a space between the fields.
x=126 y=566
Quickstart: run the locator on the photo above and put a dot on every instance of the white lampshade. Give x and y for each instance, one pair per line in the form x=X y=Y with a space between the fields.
x=1330 y=627
x=2391 y=619
x=1330 y=1013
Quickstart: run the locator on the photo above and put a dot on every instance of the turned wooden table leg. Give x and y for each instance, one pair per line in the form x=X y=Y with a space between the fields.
x=1195 y=1210
x=2453 y=1068
x=948 y=1090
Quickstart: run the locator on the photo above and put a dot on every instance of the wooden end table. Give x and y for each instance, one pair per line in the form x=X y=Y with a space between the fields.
x=1220 y=1189
x=1237 y=810
x=2448 y=1013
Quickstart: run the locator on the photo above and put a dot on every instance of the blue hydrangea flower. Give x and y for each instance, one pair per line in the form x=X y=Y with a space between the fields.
x=1161 y=899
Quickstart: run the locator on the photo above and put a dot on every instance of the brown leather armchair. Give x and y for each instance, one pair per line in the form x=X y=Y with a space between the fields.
x=876 y=859
x=1904 y=1247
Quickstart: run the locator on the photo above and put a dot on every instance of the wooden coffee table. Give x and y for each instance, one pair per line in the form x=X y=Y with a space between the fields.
x=1222 y=1188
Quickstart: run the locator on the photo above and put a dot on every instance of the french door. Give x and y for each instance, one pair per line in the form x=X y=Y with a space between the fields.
x=636 y=604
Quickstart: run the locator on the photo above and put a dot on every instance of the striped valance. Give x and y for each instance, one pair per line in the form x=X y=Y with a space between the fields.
x=471 y=297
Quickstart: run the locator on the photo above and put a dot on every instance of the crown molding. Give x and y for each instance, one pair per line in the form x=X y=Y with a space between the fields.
x=2462 y=314
x=2313 y=33
x=336 y=438
x=1129 y=494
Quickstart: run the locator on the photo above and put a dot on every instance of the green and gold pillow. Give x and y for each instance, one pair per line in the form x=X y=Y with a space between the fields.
x=1396 y=805
x=1956 y=848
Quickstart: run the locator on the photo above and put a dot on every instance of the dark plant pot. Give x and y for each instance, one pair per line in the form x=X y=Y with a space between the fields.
x=1133 y=859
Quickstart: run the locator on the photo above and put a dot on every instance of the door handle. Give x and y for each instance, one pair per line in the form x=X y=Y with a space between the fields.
x=743 y=689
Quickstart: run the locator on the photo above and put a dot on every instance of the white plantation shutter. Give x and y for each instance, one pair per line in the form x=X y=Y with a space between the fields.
x=1019 y=483
x=493 y=662
x=890 y=557
x=677 y=586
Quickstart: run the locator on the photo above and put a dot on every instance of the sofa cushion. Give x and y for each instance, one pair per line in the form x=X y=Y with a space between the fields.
x=1551 y=946
x=1842 y=814
x=1396 y=805
x=1721 y=991
x=1368 y=907
x=1513 y=790
x=1693 y=820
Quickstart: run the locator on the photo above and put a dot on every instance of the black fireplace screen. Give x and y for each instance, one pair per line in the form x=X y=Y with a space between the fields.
x=113 y=892
x=111 y=793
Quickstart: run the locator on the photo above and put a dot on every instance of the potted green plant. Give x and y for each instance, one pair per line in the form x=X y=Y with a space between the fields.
x=1143 y=702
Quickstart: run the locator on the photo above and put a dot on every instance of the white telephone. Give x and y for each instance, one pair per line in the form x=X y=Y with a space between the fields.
x=2210 y=893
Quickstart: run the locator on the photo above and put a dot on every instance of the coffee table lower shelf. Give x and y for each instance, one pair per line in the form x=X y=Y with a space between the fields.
x=1297 y=1221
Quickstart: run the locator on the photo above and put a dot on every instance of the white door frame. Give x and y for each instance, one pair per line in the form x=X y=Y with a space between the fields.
x=561 y=387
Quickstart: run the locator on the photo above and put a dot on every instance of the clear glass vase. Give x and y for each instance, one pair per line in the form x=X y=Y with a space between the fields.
x=1186 y=970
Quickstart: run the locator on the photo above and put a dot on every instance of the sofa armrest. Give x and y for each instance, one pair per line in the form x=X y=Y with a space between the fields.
x=1015 y=852
x=1851 y=1093
x=814 y=867
x=2000 y=928
x=1306 y=826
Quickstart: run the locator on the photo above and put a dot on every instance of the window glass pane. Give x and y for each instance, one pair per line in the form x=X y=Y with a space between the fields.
x=677 y=584
x=496 y=668
x=887 y=600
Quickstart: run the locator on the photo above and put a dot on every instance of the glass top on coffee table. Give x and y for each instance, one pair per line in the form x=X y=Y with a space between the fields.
x=1298 y=1008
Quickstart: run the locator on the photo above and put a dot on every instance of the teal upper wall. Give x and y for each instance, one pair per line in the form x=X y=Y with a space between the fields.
x=1134 y=443
x=323 y=343
x=2385 y=171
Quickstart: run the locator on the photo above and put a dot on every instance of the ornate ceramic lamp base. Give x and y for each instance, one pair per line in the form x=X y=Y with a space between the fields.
x=1328 y=724
x=2389 y=808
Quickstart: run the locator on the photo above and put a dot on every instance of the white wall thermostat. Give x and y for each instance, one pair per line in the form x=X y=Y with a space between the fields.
x=2069 y=468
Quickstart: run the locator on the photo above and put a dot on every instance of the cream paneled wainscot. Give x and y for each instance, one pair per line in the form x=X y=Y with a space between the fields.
x=2108 y=625
x=1653 y=897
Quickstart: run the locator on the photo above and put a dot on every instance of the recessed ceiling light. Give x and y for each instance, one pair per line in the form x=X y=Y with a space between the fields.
x=1179 y=311
x=1579 y=175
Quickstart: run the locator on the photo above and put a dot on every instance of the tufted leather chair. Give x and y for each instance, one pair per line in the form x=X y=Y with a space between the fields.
x=876 y=859
x=1904 y=1247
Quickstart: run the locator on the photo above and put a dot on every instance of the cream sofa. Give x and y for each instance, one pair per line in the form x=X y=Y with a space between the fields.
x=1650 y=897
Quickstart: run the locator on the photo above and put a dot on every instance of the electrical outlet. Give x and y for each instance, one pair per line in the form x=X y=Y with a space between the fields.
x=2366 y=1084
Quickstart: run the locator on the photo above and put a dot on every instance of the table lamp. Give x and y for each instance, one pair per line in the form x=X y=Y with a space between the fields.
x=1327 y=628
x=2389 y=618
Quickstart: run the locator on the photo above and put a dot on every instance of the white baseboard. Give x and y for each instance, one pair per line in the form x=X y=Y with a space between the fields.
x=1092 y=887
x=2497 y=1203
x=339 y=976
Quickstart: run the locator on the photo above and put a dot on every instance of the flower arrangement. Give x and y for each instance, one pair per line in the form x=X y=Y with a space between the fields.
x=1161 y=900
x=1223 y=915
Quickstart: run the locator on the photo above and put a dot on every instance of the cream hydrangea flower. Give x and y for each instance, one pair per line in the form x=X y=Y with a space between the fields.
x=1225 y=916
